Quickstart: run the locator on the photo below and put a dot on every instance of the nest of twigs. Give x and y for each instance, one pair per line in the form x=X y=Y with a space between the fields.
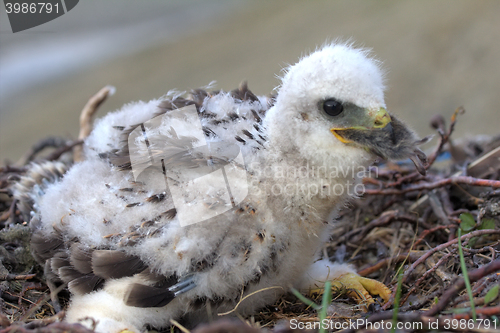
x=403 y=232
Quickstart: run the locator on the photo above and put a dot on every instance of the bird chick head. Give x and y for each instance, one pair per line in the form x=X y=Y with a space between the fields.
x=332 y=101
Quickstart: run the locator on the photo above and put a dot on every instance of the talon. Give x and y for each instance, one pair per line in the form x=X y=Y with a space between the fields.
x=375 y=287
x=360 y=289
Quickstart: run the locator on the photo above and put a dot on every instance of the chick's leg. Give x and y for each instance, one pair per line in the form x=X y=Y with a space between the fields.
x=342 y=277
x=361 y=288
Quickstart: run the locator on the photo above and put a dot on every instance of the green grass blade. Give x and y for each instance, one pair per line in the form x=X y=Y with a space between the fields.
x=325 y=303
x=466 y=275
x=396 y=302
x=305 y=300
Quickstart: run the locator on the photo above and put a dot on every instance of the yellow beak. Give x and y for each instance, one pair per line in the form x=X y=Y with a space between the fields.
x=377 y=119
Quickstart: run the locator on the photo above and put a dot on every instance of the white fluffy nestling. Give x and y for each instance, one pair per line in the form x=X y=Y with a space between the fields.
x=118 y=241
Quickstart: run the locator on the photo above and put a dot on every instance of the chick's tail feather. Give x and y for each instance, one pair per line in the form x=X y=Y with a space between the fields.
x=31 y=187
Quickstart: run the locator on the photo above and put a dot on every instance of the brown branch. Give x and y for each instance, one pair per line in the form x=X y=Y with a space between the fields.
x=421 y=301
x=373 y=181
x=491 y=311
x=39 y=323
x=405 y=179
x=440 y=183
x=384 y=219
x=478 y=288
x=86 y=117
x=57 y=153
x=424 y=257
x=11 y=277
x=411 y=257
x=49 y=142
x=422 y=278
x=429 y=231
x=439 y=124
x=458 y=286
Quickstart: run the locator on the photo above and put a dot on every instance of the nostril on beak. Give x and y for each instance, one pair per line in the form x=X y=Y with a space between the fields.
x=381 y=118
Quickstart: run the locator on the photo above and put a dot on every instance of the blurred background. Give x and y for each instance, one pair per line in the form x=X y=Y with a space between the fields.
x=438 y=55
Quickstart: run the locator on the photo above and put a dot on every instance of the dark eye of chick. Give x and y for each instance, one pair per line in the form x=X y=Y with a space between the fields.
x=333 y=107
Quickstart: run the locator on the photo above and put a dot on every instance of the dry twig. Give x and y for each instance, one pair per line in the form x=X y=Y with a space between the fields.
x=410 y=270
x=86 y=117
x=460 y=285
x=439 y=183
x=11 y=277
x=409 y=257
